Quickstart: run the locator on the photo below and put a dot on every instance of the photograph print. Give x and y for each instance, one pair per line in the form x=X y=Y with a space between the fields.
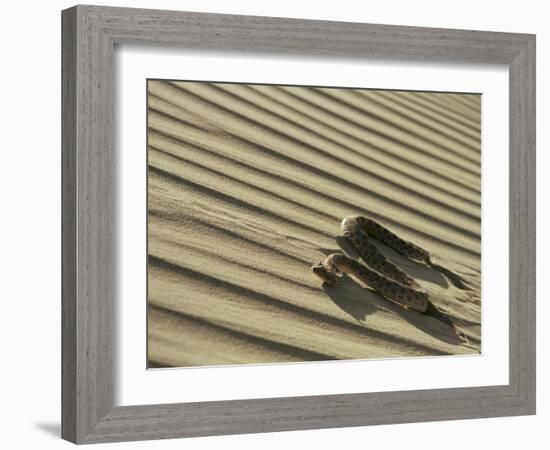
x=292 y=224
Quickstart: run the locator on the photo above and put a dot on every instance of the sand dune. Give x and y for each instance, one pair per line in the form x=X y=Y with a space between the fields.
x=247 y=186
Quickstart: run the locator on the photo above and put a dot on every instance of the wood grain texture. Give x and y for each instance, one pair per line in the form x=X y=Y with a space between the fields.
x=88 y=207
x=523 y=226
x=89 y=36
x=68 y=224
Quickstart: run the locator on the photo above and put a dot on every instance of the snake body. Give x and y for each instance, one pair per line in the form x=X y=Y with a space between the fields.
x=378 y=272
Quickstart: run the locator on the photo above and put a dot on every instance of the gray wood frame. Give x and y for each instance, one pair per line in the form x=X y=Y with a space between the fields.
x=89 y=36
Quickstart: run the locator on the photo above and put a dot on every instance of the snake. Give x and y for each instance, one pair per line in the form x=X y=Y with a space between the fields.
x=378 y=272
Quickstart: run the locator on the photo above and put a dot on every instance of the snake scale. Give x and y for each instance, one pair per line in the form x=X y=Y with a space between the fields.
x=378 y=272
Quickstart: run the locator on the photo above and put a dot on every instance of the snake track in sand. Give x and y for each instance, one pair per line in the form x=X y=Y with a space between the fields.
x=378 y=272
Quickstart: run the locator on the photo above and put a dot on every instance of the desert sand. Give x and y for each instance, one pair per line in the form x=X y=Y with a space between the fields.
x=247 y=186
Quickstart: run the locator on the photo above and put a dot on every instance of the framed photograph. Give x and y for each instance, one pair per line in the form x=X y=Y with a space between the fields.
x=279 y=224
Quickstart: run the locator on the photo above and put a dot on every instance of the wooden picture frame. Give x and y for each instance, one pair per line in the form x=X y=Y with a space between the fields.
x=89 y=37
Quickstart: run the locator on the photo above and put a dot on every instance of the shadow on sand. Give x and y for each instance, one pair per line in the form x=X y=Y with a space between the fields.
x=359 y=301
x=414 y=269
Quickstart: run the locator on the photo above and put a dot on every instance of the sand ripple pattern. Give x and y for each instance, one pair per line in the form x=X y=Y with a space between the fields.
x=248 y=184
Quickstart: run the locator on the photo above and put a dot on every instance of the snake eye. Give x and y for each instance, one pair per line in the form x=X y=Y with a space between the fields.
x=317 y=267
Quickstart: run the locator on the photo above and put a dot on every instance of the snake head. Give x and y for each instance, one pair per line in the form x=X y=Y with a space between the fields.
x=328 y=278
